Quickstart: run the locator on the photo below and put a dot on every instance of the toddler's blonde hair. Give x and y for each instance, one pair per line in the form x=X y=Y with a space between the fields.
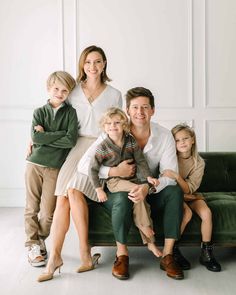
x=112 y=112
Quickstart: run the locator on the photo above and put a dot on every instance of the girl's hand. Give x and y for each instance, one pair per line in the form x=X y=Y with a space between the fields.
x=170 y=173
x=153 y=181
x=102 y=196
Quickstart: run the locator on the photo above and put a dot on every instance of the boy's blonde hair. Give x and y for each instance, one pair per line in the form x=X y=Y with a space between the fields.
x=64 y=78
x=112 y=112
x=191 y=132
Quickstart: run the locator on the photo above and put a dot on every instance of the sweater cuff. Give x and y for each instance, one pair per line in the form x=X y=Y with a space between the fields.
x=104 y=172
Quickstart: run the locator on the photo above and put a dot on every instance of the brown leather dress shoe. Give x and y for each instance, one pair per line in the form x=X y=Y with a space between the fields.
x=120 y=268
x=172 y=269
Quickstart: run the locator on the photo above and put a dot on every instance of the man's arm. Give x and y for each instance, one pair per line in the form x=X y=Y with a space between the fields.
x=167 y=161
x=125 y=169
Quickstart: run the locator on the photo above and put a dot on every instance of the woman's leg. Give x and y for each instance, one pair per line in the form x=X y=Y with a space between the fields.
x=60 y=226
x=79 y=212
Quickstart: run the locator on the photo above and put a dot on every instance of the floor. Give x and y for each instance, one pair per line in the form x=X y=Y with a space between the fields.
x=18 y=277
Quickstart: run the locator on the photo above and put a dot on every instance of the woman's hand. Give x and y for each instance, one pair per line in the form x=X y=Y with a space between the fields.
x=138 y=193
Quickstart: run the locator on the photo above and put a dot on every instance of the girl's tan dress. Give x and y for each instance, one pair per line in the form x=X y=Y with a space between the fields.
x=192 y=174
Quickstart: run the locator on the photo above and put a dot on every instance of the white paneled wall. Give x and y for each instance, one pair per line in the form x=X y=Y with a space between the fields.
x=183 y=50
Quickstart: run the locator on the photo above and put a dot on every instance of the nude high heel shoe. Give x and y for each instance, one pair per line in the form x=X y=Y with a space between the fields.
x=85 y=267
x=46 y=276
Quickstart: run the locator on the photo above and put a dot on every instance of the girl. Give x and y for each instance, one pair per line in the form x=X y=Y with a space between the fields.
x=191 y=169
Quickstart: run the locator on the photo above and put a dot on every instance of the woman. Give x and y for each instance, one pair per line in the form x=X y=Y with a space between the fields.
x=90 y=98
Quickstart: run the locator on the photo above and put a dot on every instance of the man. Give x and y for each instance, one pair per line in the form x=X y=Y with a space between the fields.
x=158 y=147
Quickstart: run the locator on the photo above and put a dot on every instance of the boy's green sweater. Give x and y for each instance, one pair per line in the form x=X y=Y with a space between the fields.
x=51 y=147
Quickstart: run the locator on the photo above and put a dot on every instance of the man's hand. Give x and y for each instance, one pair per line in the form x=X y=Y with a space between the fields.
x=138 y=193
x=102 y=196
x=153 y=181
x=39 y=128
x=124 y=169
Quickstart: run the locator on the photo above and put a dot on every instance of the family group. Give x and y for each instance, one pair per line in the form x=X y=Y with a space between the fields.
x=85 y=146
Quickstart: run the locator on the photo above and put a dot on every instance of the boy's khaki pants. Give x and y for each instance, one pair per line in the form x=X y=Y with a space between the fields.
x=40 y=185
x=141 y=210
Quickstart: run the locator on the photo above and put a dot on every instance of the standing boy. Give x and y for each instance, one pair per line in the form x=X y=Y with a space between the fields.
x=54 y=132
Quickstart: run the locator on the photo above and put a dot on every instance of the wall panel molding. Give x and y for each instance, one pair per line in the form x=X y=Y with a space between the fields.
x=190 y=53
x=170 y=47
x=157 y=52
x=220 y=46
x=220 y=135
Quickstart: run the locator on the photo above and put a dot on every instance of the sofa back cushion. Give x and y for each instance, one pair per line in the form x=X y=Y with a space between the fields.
x=220 y=172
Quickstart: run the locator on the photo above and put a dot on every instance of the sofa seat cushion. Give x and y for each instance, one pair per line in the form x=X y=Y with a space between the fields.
x=100 y=228
x=223 y=207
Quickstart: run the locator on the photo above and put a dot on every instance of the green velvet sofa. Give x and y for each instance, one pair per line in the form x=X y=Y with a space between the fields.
x=219 y=189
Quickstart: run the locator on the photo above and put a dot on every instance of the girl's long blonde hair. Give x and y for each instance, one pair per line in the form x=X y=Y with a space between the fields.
x=191 y=132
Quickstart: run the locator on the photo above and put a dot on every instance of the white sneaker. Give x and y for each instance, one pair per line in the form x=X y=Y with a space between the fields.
x=34 y=256
x=43 y=249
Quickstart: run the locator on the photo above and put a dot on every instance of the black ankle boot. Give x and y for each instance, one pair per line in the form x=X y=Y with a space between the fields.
x=207 y=258
x=180 y=259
